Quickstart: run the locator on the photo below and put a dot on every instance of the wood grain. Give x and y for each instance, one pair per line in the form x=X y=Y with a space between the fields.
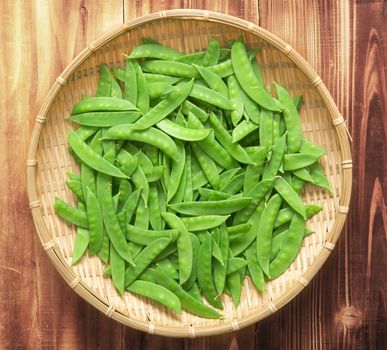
x=344 y=307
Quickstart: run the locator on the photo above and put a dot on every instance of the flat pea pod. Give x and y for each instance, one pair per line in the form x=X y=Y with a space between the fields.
x=160 y=78
x=220 y=270
x=157 y=90
x=150 y=136
x=264 y=232
x=105 y=119
x=303 y=174
x=311 y=148
x=297 y=184
x=234 y=284
x=80 y=244
x=210 y=96
x=195 y=251
x=142 y=92
x=124 y=190
x=213 y=81
x=292 y=120
x=104 y=87
x=234 y=91
x=101 y=104
x=235 y=264
x=176 y=171
x=256 y=272
x=169 y=268
x=247 y=79
x=142 y=215
x=207 y=164
x=92 y=159
x=257 y=71
x=188 y=106
x=290 y=247
x=204 y=222
x=227 y=175
x=116 y=89
x=165 y=107
x=117 y=264
x=235 y=185
x=199 y=180
x=130 y=82
x=95 y=222
x=223 y=69
x=266 y=128
x=271 y=168
x=319 y=179
x=286 y=214
x=76 y=188
x=242 y=130
x=144 y=259
x=154 y=210
x=172 y=68
x=184 y=245
x=194 y=291
x=155 y=51
x=188 y=302
x=289 y=196
x=119 y=73
x=104 y=252
x=207 y=194
x=140 y=181
x=212 y=54
x=296 y=161
x=188 y=192
x=144 y=237
x=112 y=226
x=225 y=139
x=192 y=58
x=251 y=110
x=73 y=215
x=157 y=293
x=211 y=146
x=238 y=230
x=204 y=269
x=222 y=207
x=181 y=133
x=253 y=172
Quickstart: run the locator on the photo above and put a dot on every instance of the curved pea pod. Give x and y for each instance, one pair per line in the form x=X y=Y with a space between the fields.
x=104 y=87
x=271 y=168
x=319 y=179
x=298 y=160
x=266 y=128
x=119 y=73
x=142 y=91
x=213 y=80
x=165 y=107
x=176 y=171
x=117 y=264
x=144 y=259
x=235 y=150
x=92 y=159
x=116 y=89
x=188 y=302
x=292 y=120
x=290 y=247
x=242 y=130
x=157 y=90
x=251 y=110
x=204 y=222
x=199 y=113
x=286 y=214
x=172 y=68
x=303 y=174
x=235 y=185
x=207 y=194
x=234 y=285
x=223 y=69
x=195 y=251
x=212 y=97
x=265 y=230
x=220 y=270
x=181 y=133
x=105 y=119
x=160 y=78
x=234 y=91
x=192 y=58
x=212 y=54
x=150 y=136
x=256 y=272
x=253 y=172
x=289 y=196
x=80 y=244
x=311 y=148
x=73 y=215
x=101 y=104
x=76 y=188
x=223 y=207
x=155 y=51
x=235 y=264
x=95 y=222
x=238 y=230
x=248 y=81
x=144 y=237
x=184 y=245
x=205 y=279
x=157 y=293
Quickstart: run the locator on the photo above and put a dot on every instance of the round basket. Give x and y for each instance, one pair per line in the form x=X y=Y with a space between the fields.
x=49 y=161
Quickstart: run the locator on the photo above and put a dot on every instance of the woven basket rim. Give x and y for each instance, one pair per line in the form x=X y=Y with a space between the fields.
x=102 y=304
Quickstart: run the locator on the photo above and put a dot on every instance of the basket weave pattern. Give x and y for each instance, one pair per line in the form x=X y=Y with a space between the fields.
x=49 y=161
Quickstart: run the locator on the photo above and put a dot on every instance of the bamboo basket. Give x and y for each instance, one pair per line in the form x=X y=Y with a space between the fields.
x=49 y=161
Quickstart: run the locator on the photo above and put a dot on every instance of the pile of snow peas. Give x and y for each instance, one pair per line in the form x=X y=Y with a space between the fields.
x=190 y=176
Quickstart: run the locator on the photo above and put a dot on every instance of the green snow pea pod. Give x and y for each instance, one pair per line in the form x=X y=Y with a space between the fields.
x=165 y=107
x=225 y=139
x=204 y=222
x=248 y=81
x=144 y=237
x=235 y=185
x=204 y=271
x=286 y=214
x=160 y=78
x=199 y=180
x=235 y=264
x=130 y=83
x=213 y=80
x=234 y=91
x=271 y=168
x=211 y=57
x=144 y=259
x=119 y=73
x=95 y=222
x=221 y=269
x=124 y=190
x=169 y=268
x=73 y=215
x=101 y=104
x=289 y=196
x=117 y=264
x=234 y=284
x=80 y=244
x=105 y=119
x=303 y=174
x=155 y=51
x=257 y=71
x=184 y=245
x=243 y=129
x=76 y=188
x=172 y=68
x=92 y=159
x=238 y=230
x=290 y=247
x=227 y=175
x=142 y=92
x=194 y=291
x=188 y=107
x=223 y=207
x=265 y=230
x=212 y=97
x=104 y=87
x=181 y=133
x=176 y=171
x=116 y=89
x=154 y=210
x=207 y=194
x=157 y=90
x=256 y=272
x=192 y=58
x=195 y=251
x=188 y=192
x=266 y=128
x=292 y=120
x=253 y=172
x=142 y=215
x=251 y=110
x=157 y=293
x=311 y=148
x=223 y=69
x=294 y=161
x=150 y=136
x=140 y=181
x=319 y=179
x=297 y=184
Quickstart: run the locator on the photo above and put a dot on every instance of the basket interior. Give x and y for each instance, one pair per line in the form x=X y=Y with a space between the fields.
x=187 y=35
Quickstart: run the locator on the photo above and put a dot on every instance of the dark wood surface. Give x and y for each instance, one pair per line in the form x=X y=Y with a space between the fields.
x=344 y=307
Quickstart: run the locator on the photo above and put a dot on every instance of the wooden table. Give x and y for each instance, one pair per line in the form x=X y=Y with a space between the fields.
x=345 y=304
